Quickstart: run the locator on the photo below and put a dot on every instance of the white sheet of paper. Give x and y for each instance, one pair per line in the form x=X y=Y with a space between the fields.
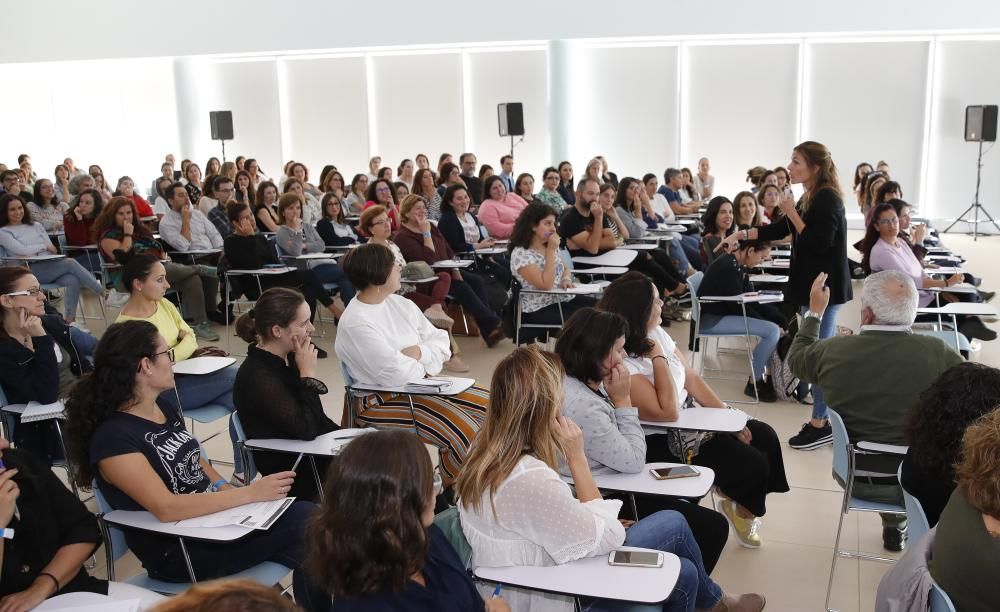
x=258 y=515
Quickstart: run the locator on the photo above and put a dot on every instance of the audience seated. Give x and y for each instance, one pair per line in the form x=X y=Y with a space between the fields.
x=673 y=180
x=53 y=535
x=550 y=193
x=524 y=186
x=46 y=208
x=244 y=192
x=185 y=228
x=228 y=596
x=192 y=182
x=598 y=398
x=873 y=379
x=116 y=229
x=419 y=240
x=141 y=457
x=381 y=193
x=719 y=222
x=245 y=249
x=276 y=390
x=126 y=188
x=727 y=275
x=640 y=199
x=566 y=183
x=746 y=212
x=884 y=249
x=768 y=209
x=61 y=183
x=748 y=465
x=687 y=191
x=312 y=212
x=536 y=264
x=266 y=206
x=499 y=208
x=860 y=172
x=222 y=188
x=373 y=543
x=333 y=228
x=934 y=428
x=296 y=237
x=704 y=183
x=515 y=510
x=41 y=356
x=78 y=223
x=21 y=237
x=966 y=550
x=423 y=186
x=465 y=234
x=384 y=340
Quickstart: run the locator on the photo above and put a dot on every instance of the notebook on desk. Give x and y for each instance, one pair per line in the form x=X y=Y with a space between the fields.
x=42 y=412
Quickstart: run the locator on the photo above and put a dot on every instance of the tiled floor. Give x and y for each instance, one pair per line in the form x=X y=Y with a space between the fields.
x=793 y=565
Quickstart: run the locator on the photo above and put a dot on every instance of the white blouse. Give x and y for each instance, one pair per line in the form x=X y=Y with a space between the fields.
x=538 y=521
x=644 y=365
x=370 y=337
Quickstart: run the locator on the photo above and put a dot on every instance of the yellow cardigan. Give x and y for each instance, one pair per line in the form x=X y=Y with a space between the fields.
x=169 y=323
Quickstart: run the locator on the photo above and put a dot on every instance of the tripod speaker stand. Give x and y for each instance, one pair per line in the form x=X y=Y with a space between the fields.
x=975 y=207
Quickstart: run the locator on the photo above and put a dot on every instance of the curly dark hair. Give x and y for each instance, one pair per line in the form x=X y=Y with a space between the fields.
x=368 y=537
x=527 y=221
x=959 y=396
x=106 y=390
x=632 y=296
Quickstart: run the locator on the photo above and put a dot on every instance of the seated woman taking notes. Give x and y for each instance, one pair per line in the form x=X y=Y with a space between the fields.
x=141 y=457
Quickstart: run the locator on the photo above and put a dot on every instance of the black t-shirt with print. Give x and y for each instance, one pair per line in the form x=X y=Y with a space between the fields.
x=172 y=452
x=572 y=223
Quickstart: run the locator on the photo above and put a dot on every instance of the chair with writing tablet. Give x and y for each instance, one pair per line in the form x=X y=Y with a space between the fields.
x=10 y=414
x=583 y=579
x=308 y=263
x=26 y=262
x=353 y=398
x=845 y=455
x=114 y=523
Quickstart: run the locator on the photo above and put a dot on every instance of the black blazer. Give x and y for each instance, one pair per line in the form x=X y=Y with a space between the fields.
x=453 y=232
x=822 y=247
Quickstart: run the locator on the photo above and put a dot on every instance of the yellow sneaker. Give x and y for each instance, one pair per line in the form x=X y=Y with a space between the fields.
x=744 y=528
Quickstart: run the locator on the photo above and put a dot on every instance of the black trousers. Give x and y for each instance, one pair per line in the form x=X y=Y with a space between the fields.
x=550 y=316
x=470 y=293
x=658 y=267
x=745 y=473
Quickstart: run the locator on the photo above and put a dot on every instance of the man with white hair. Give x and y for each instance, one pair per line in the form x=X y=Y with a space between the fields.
x=872 y=380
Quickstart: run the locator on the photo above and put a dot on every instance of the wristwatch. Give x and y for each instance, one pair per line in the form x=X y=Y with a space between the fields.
x=813 y=314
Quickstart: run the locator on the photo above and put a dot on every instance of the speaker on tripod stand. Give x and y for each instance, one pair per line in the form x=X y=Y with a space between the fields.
x=980 y=126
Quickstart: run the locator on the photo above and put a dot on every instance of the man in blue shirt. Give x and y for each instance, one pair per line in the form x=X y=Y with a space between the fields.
x=672 y=182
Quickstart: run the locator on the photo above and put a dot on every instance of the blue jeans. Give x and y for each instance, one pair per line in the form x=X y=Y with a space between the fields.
x=197 y=390
x=676 y=251
x=331 y=273
x=85 y=343
x=827 y=329
x=69 y=274
x=691 y=246
x=768 y=334
x=668 y=531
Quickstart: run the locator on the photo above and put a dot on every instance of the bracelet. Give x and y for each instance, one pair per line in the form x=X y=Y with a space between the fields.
x=54 y=579
x=426 y=234
x=7 y=534
x=663 y=357
x=127 y=236
x=218 y=484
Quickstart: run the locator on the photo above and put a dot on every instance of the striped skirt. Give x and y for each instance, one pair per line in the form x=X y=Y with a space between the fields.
x=449 y=423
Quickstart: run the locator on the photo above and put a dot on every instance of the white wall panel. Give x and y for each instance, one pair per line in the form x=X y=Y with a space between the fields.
x=741 y=110
x=967 y=74
x=327 y=114
x=509 y=76
x=418 y=106
x=866 y=102
x=629 y=109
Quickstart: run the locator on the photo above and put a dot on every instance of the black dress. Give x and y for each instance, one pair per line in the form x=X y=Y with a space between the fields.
x=822 y=247
x=273 y=401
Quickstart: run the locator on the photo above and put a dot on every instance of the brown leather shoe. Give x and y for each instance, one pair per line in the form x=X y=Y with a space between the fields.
x=495 y=336
x=747 y=602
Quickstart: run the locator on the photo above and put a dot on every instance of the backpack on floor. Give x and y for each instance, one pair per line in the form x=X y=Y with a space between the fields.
x=784 y=381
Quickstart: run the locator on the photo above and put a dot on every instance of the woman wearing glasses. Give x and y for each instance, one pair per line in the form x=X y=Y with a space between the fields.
x=146 y=280
x=40 y=356
x=381 y=193
x=139 y=453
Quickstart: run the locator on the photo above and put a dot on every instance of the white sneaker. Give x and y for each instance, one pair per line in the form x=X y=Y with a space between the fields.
x=116 y=299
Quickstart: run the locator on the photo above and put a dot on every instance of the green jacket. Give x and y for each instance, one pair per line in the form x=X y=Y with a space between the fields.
x=871 y=379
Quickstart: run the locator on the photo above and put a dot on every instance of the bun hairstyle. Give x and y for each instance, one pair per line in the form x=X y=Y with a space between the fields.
x=135 y=266
x=276 y=306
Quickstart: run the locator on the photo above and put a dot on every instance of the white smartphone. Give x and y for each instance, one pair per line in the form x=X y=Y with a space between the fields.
x=677 y=471
x=635 y=558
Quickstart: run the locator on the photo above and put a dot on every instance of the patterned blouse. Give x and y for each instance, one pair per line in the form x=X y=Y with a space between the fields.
x=553 y=199
x=533 y=302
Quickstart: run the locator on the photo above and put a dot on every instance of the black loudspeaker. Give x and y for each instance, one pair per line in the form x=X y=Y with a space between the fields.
x=981 y=123
x=222 y=124
x=510 y=116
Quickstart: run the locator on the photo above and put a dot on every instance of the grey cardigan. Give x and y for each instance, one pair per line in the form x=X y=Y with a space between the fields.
x=291 y=241
x=612 y=437
x=636 y=227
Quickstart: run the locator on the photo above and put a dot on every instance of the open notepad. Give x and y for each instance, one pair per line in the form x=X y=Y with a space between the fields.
x=258 y=515
x=42 y=412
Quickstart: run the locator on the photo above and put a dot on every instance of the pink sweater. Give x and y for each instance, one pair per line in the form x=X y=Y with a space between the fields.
x=499 y=215
x=884 y=256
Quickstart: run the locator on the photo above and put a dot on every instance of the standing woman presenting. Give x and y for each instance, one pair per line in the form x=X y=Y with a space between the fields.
x=819 y=244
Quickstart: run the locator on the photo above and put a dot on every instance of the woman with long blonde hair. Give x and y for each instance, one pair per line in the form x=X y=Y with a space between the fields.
x=818 y=229
x=515 y=509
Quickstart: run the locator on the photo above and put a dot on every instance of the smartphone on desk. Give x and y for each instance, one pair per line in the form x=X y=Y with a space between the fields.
x=670 y=473
x=635 y=558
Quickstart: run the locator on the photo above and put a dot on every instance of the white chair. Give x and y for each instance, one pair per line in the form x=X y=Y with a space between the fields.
x=114 y=522
x=844 y=461
x=694 y=282
x=643 y=483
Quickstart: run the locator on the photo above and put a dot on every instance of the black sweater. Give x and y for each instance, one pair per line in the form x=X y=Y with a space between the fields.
x=273 y=401
x=51 y=517
x=725 y=277
x=822 y=247
x=325 y=230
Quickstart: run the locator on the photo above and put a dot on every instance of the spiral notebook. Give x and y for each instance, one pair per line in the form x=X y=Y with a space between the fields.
x=42 y=412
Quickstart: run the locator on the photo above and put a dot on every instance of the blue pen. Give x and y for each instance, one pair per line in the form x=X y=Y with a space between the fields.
x=496 y=591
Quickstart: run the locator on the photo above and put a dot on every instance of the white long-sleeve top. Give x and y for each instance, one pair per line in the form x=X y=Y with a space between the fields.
x=371 y=336
x=538 y=522
x=203 y=232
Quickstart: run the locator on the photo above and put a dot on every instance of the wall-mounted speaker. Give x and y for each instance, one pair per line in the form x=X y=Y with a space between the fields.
x=981 y=123
x=510 y=117
x=222 y=124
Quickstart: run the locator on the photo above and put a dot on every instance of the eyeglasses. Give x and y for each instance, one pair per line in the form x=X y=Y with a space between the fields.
x=383 y=190
x=169 y=353
x=892 y=221
x=382 y=222
x=32 y=292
